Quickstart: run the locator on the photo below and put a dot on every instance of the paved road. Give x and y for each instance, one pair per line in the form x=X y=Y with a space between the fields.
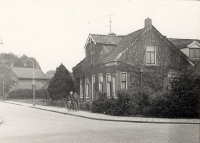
x=27 y=125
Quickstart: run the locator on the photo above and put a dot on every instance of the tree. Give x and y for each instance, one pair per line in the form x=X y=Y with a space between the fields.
x=61 y=84
x=8 y=58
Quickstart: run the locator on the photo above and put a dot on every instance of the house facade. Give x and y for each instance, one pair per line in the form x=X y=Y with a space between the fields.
x=23 y=77
x=139 y=61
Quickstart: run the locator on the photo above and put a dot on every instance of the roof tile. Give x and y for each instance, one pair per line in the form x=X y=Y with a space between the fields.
x=182 y=43
x=28 y=73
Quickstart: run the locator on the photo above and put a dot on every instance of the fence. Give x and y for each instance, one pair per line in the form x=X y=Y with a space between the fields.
x=60 y=104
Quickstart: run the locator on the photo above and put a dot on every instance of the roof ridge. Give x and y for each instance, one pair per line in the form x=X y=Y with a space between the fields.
x=182 y=39
x=108 y=35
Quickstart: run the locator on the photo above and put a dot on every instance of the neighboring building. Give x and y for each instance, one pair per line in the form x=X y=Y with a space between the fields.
x=50 y=74
x=23 y=78
x=139 y=61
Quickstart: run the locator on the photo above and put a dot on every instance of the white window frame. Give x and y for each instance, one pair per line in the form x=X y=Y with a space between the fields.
x=121 y=79
x=100 y=83
x=81 y=88
x=113 y=80
x=194 y=52
x=155 y=48
x=87 y=87
x=93 y=82
x=107 y=84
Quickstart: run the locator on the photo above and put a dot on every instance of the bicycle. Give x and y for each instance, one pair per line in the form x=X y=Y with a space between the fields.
x=71 y=105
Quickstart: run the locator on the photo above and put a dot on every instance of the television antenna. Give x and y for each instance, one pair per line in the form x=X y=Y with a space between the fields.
x=110 y=23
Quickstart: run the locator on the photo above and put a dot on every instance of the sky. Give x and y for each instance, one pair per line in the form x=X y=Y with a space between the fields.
x=55 y=31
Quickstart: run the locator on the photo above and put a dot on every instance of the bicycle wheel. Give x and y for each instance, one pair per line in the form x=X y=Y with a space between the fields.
x=71 y=106
x=75 y=106
x=67 y=106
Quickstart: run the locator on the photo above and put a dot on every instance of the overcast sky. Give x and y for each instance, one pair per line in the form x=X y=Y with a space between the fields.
x=55 y=31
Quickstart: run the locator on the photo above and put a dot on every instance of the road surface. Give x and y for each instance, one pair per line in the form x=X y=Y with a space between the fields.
x=28 y=125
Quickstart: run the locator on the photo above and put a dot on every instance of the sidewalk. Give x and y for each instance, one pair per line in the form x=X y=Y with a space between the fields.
x=96 y=116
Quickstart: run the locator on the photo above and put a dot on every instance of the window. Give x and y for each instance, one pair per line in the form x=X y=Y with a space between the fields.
x=81 y=88
x=123 y=81
x=93 y=86
x=91 y=56
x=194 y=52
x=100 y=83
x=108 y=78
x=15 y=82
x=114 y=94
x=151 y=55
x=87 y=87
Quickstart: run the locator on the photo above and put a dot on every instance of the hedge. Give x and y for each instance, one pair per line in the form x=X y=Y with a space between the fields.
x=28 y=94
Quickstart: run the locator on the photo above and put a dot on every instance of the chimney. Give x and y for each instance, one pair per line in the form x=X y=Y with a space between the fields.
x=148 y=23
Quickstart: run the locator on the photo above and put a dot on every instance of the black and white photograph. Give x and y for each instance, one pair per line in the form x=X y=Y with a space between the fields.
x=99 y=71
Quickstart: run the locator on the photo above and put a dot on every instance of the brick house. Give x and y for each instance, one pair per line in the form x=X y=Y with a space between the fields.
x=23 y=78
x=139 y=61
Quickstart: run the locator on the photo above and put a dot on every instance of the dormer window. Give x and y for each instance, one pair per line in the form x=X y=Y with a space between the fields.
x=151 y=55
x=194 y=52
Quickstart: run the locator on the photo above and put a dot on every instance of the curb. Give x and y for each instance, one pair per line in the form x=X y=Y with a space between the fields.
x=13 y=103
x=100 y=119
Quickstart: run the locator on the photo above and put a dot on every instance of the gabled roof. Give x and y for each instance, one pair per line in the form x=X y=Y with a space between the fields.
x=27 y=73
x=130 y=40
x=124 y=43
x=106 y=39
x=182 y=43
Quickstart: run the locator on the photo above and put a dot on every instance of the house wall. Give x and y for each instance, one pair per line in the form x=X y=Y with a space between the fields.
x=115 y=70
x=166 y=56
x=27 y=83
x=185 y=51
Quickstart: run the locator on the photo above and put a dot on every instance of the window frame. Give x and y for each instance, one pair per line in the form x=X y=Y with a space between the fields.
x=110 y=84
x=93 y=82
x=155 y=48
x=87 y=87
x=194 y=52
x=100 y=82
x=123 y=81
x=81 y=88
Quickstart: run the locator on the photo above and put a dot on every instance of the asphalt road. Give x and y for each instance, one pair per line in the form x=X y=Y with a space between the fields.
x=27 y=125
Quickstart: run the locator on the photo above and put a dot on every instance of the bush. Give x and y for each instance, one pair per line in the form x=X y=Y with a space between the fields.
x=126 y=103
x=28 y=94
x=181 y=101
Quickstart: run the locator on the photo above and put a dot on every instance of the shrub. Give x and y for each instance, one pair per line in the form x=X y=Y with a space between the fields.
x=125 y=104
x=181 y=101
x=28 y=94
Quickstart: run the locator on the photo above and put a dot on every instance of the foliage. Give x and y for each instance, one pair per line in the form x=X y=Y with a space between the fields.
x=181 y=101
x=7 y=80
x=126 y=103
x=28 y=94
x=18 y=60
x=61 y=84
